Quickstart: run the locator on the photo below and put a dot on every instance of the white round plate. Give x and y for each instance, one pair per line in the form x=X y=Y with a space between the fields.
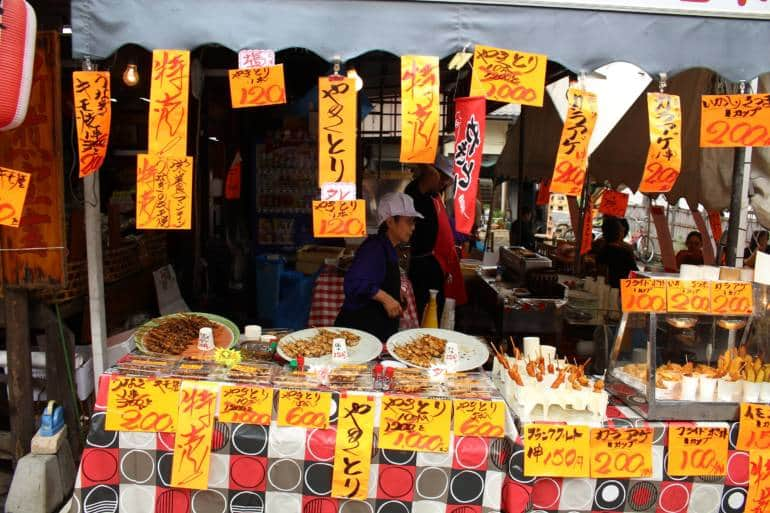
x=368 y=348
x=473 y=352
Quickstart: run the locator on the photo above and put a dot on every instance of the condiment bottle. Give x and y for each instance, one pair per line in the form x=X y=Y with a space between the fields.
x=430 y=316
x=387 y=382
x=377 y=371
x=252 y=332
x=448 y=315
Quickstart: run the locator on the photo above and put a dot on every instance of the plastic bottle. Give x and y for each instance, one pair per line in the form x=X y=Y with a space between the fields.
x=448 y=315
x=430 y=316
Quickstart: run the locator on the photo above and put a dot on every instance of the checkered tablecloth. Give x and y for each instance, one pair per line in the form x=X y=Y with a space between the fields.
x=329 y=294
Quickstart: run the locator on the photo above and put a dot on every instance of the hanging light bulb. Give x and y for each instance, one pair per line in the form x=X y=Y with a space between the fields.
x=131 y=75
x=353 y=74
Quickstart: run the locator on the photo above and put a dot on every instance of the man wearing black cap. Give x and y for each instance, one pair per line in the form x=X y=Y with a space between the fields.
x=434 y=261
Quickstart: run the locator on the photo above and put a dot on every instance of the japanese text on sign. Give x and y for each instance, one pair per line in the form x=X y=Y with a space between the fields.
x=688 y=296
x=249 y=58
x=572 y=156
x=192 y=443
x=556 y=450
x=758 y=497
x=352 y=454
x=621 y=452
x=164 y=192
x=419 y=109
x=508 y=75
x=613 y=203
x=306 y=409
x=338 y=191
x=415 y=424
x=470 y=125
x=735 y=120
x=638 y=295
x=588 y=230
x=93 y=110
x=339 y=218
x=144 y=405
x=479 y=418
x=257 y=87
x=732 y=298
x=168 y=102
x=337 y=118
x=754 y=428
x=13 y=193
x=246 y=405
x=697 y=450
x=664 y=156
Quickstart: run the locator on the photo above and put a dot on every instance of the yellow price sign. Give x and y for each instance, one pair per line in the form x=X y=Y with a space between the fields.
x=246 y=405
x=479 y=418
x=643 y=295
x=697 y=450
x=415 y=424
x=337 y=124
x=302 y=408
x=754 y=428
x=142 y=404
x=685 y=296
x=13 y=192
x=164 y=192
x=257 y=87
x=352 y=455
x=192 y=443
x=169 y=94
x=339 y=218
x=732 y=298
x=664 y=156
x=93 y=111
x=569 y=172
x=508 y=75
x=420 y=109
x=552 y=450
x=621 y=452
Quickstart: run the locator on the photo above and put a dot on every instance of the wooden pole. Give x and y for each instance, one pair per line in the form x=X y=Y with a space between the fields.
x=19 y=370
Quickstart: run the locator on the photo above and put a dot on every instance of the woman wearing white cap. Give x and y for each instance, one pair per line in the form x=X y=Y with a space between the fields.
x=373 y=283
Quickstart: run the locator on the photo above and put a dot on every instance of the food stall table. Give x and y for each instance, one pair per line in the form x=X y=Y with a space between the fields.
x=329 y=294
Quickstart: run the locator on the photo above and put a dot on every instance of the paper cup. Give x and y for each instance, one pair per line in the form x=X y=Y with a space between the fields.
x=532 y=347
x=689 y=388
x=764 y=392
x=707 y=387
x=549 y=352
x=751 y=392
x=206 y=339
x=728 y=391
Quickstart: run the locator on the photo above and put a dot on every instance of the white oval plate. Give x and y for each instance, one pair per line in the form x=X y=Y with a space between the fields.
x=473 y=352
x=368 y=348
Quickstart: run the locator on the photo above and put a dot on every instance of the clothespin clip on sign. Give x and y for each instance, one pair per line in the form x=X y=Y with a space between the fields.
x=742 y=86
x=336 y=67
x=582 y=80
x=662 y=82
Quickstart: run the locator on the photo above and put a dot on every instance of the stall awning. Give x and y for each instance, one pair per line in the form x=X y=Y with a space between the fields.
x=577 y=39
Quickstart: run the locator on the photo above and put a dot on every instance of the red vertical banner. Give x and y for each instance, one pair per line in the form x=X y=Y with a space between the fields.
x=544 y=192
x=588 y=228
x=233 y=180
x=470 y=125
x=715 y=220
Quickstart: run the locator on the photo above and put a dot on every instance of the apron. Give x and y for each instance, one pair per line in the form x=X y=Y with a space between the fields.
x=372 y=317
x=445 y=253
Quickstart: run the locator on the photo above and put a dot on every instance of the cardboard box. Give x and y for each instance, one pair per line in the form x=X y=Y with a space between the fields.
x=311 y=258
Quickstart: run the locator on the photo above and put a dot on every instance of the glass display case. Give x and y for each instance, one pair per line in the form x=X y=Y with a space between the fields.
x=693 y=366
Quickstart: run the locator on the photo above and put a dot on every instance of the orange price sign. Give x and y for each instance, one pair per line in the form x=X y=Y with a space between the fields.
x=302 y=408
x=142 y=404
x=352 y=455
x=732 y=298
x=246 y=405
x=754 y=430
x=687 y=296
x=664 y=156
x=337 y=124
x=758 y=497
x=13 y=193
x=419 y=109
x=192 y=443
x=169 y=93
x=257 y=87
x=415 y=424
x=621 y=452
x=479 y=418
x=93 y=111
x=733 y=120
x=643 y=295
x=697 y=450
x=572 y=157
x=164 y=192
x=613 y=203
x=552 y=450
x=508 y=75
x=339 y=218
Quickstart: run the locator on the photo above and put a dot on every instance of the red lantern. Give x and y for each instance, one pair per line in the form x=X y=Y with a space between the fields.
x=17 y=54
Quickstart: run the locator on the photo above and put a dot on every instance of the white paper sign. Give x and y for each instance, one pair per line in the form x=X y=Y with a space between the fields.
x=338 y=191
x=339 y=350
x=255 y=58
x=205 y=339
x=451 y=356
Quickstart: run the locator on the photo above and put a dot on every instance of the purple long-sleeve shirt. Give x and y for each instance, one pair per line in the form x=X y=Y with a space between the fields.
x=367 y=272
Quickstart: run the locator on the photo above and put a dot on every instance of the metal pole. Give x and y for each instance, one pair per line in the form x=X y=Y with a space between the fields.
x=93 y=215
x=735 y=206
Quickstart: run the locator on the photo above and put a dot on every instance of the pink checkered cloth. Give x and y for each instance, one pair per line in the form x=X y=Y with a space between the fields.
x=329 y=294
